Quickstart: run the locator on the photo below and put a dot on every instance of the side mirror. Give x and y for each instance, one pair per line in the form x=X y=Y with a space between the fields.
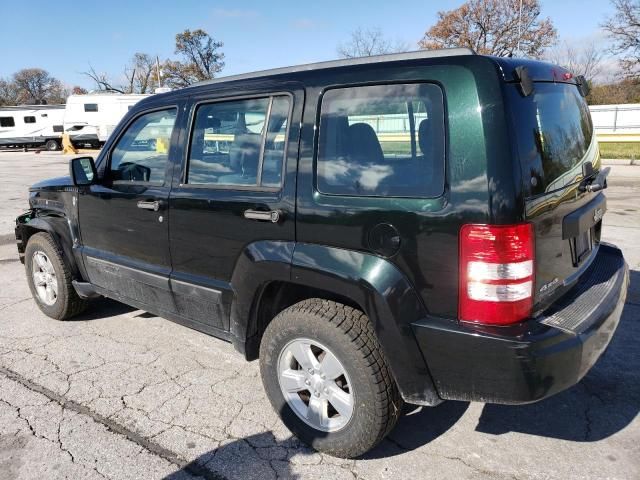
x=83 y=171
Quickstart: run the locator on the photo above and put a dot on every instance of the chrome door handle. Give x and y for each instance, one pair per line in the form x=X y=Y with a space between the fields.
x=154 y=205
x=272 y=216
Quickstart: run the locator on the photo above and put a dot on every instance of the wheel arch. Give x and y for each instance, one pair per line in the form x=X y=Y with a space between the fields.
x=59 y=230
x=364 y=281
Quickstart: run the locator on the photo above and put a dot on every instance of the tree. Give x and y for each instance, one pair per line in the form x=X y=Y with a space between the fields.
x=201 y=59
x=625 y=91
x=9 y=93
x=493 y=27
x=624 y=30
x=36 y=86
x=77 y=90
x=101 y=80
x=365 y=43
x=580 y=60
x=140 y=74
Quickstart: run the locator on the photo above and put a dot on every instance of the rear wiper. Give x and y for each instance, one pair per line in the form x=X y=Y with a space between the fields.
x=591 y=181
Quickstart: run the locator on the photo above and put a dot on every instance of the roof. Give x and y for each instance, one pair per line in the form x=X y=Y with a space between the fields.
x=392 y=57
x=32 y=107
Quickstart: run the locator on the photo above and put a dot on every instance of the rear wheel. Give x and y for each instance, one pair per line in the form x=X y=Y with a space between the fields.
x=325 y=374
x=50 y=279
x=52 y=145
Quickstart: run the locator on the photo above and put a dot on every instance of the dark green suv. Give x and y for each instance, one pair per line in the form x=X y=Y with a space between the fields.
x=414 y=227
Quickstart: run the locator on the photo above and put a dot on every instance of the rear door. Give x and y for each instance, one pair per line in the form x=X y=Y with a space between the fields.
x=237 y=187
x=555 y=139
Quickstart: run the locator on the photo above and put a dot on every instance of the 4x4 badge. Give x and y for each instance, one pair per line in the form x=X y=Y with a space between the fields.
x=597 y=215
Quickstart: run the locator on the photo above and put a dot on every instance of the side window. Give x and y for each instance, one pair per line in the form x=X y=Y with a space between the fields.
x=90 y=107
x=382 y=140
x=7 y=122
x=142 y=152
x=30 y=119
x=239 y=142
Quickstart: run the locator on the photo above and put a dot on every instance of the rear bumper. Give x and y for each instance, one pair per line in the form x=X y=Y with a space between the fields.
x=535 y=359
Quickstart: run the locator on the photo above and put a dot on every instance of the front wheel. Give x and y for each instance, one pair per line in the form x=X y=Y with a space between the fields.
x=325 y=374
x=50 y=279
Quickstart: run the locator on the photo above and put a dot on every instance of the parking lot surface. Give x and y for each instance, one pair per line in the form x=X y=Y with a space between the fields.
x=119 y=393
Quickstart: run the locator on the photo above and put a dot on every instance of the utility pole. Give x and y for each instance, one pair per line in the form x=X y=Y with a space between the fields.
x=158 y=71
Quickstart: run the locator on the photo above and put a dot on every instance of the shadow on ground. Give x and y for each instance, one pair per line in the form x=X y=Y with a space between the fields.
x=602 y=404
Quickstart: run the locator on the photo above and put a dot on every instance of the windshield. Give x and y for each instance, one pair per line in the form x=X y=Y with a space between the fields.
x=554 y=135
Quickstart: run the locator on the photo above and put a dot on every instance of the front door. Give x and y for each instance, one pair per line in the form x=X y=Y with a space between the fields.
x=237 y=189
x=123 y=218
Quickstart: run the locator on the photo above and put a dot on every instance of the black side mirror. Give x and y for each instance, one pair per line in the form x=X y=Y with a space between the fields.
x=583 y=85
x=83 y=171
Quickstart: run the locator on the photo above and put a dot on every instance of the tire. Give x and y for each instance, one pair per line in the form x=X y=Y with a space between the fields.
x=52 y=145
x=334 y=329
x=64 y=302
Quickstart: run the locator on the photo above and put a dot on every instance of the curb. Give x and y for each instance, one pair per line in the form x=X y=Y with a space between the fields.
x=621 y=161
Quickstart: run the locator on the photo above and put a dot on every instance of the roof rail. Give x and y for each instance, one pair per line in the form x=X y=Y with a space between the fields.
x=391 y=57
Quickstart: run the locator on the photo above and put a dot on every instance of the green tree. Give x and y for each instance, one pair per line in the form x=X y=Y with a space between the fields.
x=201 y=59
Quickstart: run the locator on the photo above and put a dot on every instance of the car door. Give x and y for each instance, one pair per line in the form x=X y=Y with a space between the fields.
x=237 y=187
x=123 y=218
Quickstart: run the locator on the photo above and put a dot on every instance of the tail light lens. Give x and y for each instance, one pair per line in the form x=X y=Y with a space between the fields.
x=496 y=273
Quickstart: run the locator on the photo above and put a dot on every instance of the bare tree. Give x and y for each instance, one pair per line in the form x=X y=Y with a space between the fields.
x=580 y=60
x=9 y=93
x=493 y=27
x=201 y=59
x=624 y=29
x=36 y=86
x=365 y=43
x=140 y=74
x=101 y=80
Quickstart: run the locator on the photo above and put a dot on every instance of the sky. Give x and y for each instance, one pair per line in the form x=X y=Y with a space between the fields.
x=66 y=37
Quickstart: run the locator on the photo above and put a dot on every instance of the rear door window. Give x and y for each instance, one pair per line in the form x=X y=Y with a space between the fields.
x=382 y=140
x=554 y=134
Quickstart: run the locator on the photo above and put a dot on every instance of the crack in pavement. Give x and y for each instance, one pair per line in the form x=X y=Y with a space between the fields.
x=190 y=467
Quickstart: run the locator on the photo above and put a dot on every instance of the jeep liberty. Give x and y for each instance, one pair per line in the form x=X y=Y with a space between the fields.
x=412 y=227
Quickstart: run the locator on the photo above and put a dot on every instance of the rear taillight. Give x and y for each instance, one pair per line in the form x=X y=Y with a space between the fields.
x=496 y=273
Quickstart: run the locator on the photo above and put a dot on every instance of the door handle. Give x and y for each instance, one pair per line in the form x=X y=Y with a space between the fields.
x=149 y=205
x=272 y=216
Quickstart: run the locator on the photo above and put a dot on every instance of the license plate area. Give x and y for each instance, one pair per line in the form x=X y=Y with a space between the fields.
x=581 y=246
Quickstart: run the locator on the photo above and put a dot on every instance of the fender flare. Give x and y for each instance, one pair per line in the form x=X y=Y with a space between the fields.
x=58 y=227
x=373 y=283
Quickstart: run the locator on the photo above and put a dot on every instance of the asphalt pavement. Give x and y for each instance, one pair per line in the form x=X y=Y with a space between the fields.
x=121 y=394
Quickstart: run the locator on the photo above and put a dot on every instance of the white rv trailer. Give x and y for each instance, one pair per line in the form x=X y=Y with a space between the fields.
x=92 y=117
x=31 y=125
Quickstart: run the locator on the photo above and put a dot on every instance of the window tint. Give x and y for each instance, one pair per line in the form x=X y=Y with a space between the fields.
x=554 y=133
x=230 y=144
x=29 y=119
x=382 y=140
x=142 y=151
x=7 y=122
x=90 y=107
x=58 y=128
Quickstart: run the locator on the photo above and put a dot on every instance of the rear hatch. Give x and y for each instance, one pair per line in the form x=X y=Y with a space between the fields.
x=554 y=138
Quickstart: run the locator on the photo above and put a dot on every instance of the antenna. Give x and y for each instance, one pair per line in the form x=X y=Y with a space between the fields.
x=519 y=29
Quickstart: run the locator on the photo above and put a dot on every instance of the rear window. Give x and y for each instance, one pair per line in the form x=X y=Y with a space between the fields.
x=382 y=140
x=90 y=107
x=555 y=135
